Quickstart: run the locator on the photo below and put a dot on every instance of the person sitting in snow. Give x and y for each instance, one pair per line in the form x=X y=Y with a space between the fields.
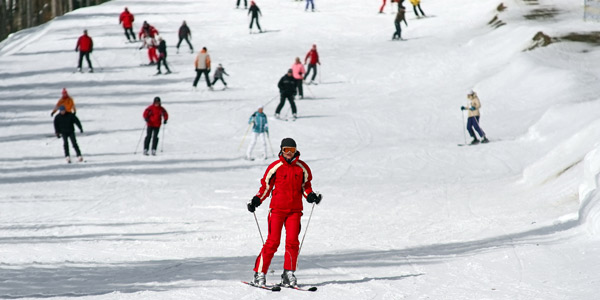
x=473 y=120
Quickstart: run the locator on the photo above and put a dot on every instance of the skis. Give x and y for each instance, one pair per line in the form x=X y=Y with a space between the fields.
x=272 y=288
x=277 y=287
x=299 y=288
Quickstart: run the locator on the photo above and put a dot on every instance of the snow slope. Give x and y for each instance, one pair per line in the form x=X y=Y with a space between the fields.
x=407 y=214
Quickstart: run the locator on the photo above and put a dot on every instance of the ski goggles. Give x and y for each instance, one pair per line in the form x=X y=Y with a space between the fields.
x=288 y=149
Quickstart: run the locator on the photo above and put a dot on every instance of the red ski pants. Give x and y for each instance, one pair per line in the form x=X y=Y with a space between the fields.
x=277 y=220
x=152 y=55
x=382 y=7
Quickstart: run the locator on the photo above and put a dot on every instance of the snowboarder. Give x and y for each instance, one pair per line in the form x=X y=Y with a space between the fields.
x=255 y=11
x=260 y=129
x=126 y=18
x=63 y=127
x=162 y=57
x=417 y=4
x=185 y=34
x=298 y=72
x=219 y=75
x=202 y=65
x=288 y=179
x=245 y=4
x=312 y=63
x=85 y=46
x=287 y=90
x=154 y=116
x=473 y=120
x=400 y=16
x=311 y=3
x=66 y=101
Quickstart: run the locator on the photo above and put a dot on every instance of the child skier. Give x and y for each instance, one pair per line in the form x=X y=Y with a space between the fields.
x=219 y=76
x=255 y=11
x=400 y=16
x=260 y=129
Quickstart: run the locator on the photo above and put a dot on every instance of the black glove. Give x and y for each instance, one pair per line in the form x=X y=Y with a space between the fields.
x=253 y=204
x=165 y=122
x=314 y=198
x=462 y=108
x=81 y=130
x=58 y=135
x=147 y=120
x=52 y=114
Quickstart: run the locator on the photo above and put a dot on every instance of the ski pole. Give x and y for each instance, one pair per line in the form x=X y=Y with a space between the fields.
x=138 y=143
x=241 y=143
x=257 y=225
x=310 y=91
x=320 y=71
x=270 y=145
x=96 y=61
x=270 y=100
x=464 y=126
x=162 y=145
x=306 y=230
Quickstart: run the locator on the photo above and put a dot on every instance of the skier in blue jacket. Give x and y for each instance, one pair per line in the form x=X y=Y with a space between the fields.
x=260 y=128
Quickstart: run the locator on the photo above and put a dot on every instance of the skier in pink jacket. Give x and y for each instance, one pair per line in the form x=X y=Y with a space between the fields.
x=298 y=73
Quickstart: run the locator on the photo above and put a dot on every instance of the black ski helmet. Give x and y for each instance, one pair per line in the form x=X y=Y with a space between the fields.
x=156 y=99
x=288 y=142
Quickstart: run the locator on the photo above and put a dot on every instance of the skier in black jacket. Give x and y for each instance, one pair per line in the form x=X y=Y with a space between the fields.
x=255 y=11
x=162 y=55
x=63 y=126
x=287 y=89
x=185 y=34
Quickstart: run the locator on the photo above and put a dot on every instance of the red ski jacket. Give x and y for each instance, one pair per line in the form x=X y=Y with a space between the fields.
x=314 y=57
x=84 y=44
x=287 y=182
x=127 y=19
x=148 y=31
x=154 y=115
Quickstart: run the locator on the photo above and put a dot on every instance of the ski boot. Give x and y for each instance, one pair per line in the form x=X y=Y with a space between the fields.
x=475 y=141
x=80 y=158
x=259 y=279
x=153 y=152
x=288 y=278
x=485 y=140
x=146 y=152
x=68 y=159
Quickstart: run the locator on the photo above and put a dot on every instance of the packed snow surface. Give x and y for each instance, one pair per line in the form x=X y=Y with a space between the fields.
x=406 y=213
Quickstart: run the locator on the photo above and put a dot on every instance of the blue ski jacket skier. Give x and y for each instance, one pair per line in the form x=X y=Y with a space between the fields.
x=260 y=122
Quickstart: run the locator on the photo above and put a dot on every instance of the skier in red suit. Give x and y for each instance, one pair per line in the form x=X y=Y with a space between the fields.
x=154 y=116
x=85 y=46
x=288 y=179
x=126 y=18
